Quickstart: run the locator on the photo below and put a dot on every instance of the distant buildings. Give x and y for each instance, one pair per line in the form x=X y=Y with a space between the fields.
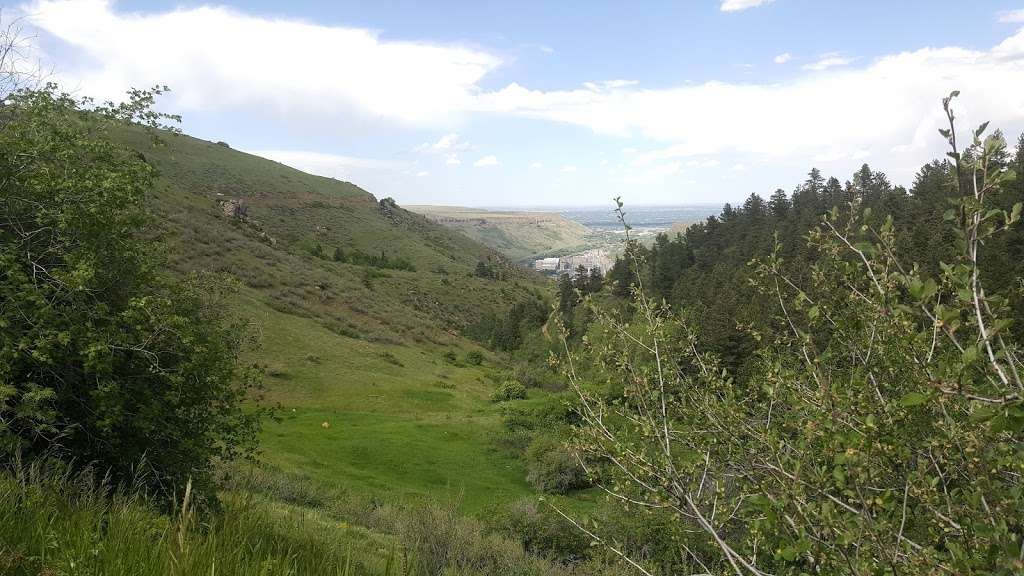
x=591 y=260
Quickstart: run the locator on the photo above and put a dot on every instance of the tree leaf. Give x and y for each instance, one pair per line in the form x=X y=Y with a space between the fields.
x=913 y=399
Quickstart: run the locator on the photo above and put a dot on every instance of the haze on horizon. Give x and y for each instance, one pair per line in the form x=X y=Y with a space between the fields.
x=533 y=105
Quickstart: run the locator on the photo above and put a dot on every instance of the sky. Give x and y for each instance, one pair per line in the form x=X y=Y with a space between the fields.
x=570 y=103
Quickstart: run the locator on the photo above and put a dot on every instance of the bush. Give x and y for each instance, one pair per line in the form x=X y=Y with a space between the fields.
x=509 y=390
x=540 y=529
x=474 y=358
x=552 y=468
x=106 y=360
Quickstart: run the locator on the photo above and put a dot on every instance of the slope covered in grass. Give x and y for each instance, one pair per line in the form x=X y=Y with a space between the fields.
x=400 y=422
x=284 y=247
x=519 y=235
x=354 y=353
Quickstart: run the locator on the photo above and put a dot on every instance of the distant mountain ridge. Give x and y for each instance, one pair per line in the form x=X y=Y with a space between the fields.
x=518 y=235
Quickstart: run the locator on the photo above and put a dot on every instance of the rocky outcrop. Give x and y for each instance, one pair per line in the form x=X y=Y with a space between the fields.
x=237 y=211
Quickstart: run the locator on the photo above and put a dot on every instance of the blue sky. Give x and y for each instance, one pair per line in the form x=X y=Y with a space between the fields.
x=569 y=103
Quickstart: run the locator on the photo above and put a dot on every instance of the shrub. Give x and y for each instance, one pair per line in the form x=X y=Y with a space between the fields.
x=540 y=529
x=552 y=468
x=106 y=360
x=509 y=390
x=474 y=358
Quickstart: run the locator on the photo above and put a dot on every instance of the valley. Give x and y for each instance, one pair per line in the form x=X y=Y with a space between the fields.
x=303 y=329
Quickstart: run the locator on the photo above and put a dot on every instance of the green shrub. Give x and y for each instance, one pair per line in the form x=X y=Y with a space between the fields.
x=107 y=360
x=540 y=529
x=474 y=358
x=552 y=468
x=509 y=390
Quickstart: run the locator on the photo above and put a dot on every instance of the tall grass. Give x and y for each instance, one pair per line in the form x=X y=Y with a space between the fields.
x=55 y=522
x=437 y=538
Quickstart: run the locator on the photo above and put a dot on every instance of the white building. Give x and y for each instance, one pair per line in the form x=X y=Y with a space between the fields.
x=546 y=264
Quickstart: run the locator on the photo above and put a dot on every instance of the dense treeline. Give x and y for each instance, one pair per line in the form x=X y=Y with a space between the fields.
x=705 y=270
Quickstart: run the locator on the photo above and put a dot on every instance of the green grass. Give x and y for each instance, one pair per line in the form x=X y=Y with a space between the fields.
x=408 y=456
x=53 y=523
x=290 y=211
x=356 y=347
x=401 y=422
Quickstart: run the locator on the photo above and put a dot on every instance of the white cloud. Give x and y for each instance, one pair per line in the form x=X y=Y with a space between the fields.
x=739 y=168
x=568 y=169
x=216 y=58
x=1011 y=16
x=737 y=5
x=889 y=103
x=608 y=85
x=330 y=165
x=782 y=58
x=486 y=161
x=422 y=173
x=448 y=143
x=707 y=163
x=826 y=61
x=537 y=165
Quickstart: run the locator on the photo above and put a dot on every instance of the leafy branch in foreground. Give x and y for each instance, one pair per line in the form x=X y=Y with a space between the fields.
x=104 y=360
x=880 y=430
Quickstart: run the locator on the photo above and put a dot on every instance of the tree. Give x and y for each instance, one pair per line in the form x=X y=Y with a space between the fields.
x=596 y=281
x=880 y=430
x=103 y=360
x=17 y=71
x=778 y=204
x=566 y=293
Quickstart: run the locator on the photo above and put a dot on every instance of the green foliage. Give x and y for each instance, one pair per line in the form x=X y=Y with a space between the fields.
x=509 y=390
x=507 y=333
x=540 y=529
x=486 y=270
x=102 y=359
x=878 y=426
x=474 y=358
x=56 y=522
x=553 y=468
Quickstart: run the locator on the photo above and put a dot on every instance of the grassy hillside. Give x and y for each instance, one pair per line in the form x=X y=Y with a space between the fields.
x=386 y=441
x=355 y=354
x=519 y=235
x=274 y=250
